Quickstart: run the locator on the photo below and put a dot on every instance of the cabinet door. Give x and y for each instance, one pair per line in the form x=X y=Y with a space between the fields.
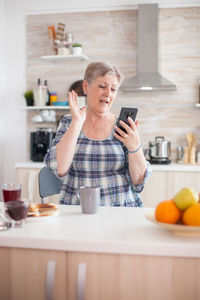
x=128 y=277
x=179 y=180
x=102 y=276
x=27 y=274
x=29 y=179
x=155 y=189
x=5 y=274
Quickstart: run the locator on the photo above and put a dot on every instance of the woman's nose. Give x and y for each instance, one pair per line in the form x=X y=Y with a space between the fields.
x=108 y=92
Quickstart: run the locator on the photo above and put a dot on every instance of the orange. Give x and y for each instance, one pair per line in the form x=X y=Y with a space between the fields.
x=167 y=212
x=191 y=216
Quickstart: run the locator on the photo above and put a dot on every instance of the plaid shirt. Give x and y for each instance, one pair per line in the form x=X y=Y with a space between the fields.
x=101 y=163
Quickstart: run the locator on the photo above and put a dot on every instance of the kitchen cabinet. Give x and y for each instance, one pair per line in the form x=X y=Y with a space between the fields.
x=163 y=185
x=27 y=175
x=101 y=277
x=106 y=276
x=29 y=274
x=116 y=254
x=117 y=277
x=28 y=180
x=176 y=181
x=155 y=189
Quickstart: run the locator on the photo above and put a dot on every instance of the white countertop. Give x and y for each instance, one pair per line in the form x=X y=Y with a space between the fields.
x=174 y=167
x=30 y=164
x=117 y=230
x=169 y=168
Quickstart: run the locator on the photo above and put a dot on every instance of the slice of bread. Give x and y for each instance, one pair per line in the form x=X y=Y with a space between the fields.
x=46 y=206
x=42 y=210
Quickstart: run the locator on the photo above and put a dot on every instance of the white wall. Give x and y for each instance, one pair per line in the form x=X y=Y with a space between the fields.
x=14 y=86
x=1 y=85
x=12 y=67
x=12 y=118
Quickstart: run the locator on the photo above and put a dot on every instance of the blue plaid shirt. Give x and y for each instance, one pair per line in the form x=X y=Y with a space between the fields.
x=101 y=163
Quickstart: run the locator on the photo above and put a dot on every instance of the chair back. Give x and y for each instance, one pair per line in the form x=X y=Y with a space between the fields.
x=49 y=184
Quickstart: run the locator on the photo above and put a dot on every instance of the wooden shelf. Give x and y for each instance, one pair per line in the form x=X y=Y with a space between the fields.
x=46 y=107
x=73 y=57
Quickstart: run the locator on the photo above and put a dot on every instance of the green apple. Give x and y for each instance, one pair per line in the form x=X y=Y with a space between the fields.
x=186 y=197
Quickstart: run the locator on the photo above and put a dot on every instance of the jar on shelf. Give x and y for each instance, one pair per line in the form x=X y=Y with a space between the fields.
x=63 y=48
x=69 y=41
x=53 y=98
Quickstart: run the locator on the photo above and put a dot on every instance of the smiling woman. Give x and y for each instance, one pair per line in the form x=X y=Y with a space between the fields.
x=90 y=150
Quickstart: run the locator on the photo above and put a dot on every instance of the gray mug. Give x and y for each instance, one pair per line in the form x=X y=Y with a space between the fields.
x=89 y=199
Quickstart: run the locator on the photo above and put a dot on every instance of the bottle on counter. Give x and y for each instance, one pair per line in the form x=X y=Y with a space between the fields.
x=199 y=90
x=198 y=157
x=179 y=154
x=48 y=95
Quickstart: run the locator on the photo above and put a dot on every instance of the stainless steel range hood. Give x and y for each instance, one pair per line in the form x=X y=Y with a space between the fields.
x=147 y=77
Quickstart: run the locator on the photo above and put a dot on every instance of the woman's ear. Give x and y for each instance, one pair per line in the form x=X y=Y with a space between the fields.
x=85 y=85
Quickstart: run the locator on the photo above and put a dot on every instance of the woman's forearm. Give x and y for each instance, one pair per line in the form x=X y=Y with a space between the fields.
x=66 y=147
x=137 y=166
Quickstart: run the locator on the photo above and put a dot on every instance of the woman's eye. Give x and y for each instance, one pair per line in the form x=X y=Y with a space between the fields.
x=113 y=90
x=102 y=87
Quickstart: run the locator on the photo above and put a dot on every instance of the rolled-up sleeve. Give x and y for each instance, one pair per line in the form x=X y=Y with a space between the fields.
x=50 y=158
x=137 y=187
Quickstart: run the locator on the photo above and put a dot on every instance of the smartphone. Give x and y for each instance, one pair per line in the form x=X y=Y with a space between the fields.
x=125 y=113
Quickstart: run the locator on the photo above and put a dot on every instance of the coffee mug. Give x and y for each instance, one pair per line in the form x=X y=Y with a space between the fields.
x=89 y=199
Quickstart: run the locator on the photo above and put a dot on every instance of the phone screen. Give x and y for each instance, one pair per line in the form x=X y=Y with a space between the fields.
x=125 y=113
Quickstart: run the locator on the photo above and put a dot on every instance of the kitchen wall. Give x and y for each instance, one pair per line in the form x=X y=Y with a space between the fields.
x=1 y=82
x=13 y=131
x=112 y=36
x=13 y=14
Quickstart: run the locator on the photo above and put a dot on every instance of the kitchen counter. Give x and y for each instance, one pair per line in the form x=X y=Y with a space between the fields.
x=160 y=167
x=174 y=167
x=117 y=230
x=29 y=165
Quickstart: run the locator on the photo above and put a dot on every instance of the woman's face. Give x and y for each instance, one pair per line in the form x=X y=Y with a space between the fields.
x=101 y=92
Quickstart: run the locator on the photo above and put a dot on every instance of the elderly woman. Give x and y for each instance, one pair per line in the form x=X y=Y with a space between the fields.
x=90 y=150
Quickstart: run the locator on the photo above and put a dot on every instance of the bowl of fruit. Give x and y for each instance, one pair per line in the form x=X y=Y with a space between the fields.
x=181 y=214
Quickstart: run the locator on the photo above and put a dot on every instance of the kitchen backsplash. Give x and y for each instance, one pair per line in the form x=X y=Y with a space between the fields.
x=112 y=36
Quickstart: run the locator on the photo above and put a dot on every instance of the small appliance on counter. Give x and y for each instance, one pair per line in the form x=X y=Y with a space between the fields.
x=40 y=142
x=159 y=151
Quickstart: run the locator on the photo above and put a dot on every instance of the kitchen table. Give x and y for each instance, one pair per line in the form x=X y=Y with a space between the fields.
x=120 y=252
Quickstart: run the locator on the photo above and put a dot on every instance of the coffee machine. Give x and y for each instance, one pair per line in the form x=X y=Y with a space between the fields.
x=40 y=142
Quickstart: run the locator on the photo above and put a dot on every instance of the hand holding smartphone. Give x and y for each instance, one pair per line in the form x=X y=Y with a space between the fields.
x=125 y=113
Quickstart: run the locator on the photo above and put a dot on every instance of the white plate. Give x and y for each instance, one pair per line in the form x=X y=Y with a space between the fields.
x=42 y=218
x=175 y=228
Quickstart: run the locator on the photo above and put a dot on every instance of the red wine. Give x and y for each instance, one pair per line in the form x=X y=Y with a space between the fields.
x=11 y=195
x=17 y=210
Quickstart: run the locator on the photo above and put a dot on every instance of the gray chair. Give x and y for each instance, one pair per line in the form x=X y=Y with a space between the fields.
x=49 y=184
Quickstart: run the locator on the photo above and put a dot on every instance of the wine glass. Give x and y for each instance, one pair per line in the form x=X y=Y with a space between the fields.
x=17 y=211
x=5 y=223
